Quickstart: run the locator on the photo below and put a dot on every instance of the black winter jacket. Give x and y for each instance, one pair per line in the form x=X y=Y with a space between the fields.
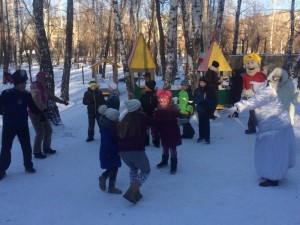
x=93 y=99
x=149 y=102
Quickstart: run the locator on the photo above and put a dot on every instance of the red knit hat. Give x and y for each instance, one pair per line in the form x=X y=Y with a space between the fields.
x=164 y=94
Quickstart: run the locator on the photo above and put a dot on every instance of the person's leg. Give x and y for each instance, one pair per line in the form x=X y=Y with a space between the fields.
x=48 y=138
x=39 y=136
x=8 y=135
x=112 y=182
x=206 y=129
x=164 y=158
x=91 y=131
x=24 y=138
x=174 y=160
x=200 y=124
x=155 y=137
x=102 y=180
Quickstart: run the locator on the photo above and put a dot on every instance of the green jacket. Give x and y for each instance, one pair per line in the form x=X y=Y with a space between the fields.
x=183 y=103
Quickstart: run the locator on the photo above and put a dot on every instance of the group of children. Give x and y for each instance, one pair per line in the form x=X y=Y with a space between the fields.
x=127 y=139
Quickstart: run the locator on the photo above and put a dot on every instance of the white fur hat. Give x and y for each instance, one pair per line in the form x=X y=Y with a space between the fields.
x=132 y=105
x=113 y=85
x=109 y=113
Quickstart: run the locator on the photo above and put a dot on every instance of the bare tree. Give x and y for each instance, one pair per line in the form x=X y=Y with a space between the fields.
x=219 y=21
x=172 y=43
x=68 y=52
x=120 y=40
x=236 y=26
x=161 y=38
x=289 y=61
x=17 y=35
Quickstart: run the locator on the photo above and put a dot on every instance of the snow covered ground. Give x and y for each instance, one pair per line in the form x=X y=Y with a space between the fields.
x=215 y=184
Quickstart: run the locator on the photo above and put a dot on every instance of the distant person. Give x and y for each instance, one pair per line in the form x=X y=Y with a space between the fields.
x=185 y=105
x=204 y=99
x=109 y=149
x=93 y=98
x=14 y=104
x=149 y=104
x=113 y=100
x=212 y=77
x=41 y=95
x=236 y=88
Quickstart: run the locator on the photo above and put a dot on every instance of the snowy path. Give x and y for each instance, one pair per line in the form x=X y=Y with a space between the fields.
x=215 y=185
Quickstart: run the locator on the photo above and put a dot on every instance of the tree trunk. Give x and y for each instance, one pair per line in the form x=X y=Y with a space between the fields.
x=17 y=35
x=45 y=56
x=2 y=33
x=7 y=44
x=219 y=21
x=172 y=41
x=119 y=36
x=189 y=38
x=161 y=39
x=68 y=52
x=108 y=41
x=236 y=27
x=289 y=61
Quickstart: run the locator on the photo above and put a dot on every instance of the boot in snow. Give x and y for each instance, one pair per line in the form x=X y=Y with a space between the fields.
x=2 y=175
x=155 y=141
x=164 y=162
x=102 y=183
x=49 y=151
x=138 y=195
x=39 y=155
x=89 y=139
x=130 y=194
x=30 y=170
x=147 y=140
x=112 y=188
x=269 y=183
x=173 y=165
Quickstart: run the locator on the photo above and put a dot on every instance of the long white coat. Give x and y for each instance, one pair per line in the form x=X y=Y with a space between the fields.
x=275 y=142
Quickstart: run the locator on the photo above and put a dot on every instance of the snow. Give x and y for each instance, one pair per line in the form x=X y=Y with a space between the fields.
x=215 y=185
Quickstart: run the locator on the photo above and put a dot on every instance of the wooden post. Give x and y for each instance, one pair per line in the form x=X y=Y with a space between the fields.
x=82 y=75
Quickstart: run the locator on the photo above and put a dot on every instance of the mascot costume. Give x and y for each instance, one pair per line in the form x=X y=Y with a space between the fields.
x=252 y=64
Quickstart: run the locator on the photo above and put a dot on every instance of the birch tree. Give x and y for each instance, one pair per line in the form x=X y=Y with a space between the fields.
x=17 y=35
x=236 y=27
x=219 y=21
x=68 y=52
x=120 y=40
x=172 y=41
x=44 y=52
x=291 y=39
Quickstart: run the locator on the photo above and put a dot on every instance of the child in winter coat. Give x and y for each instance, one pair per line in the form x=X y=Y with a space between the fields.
x=204 y=100
x=169 y=131
x=113 y=100
x=132 y=131
x=109 y=149
x=149 y=104
x=186 y=108
x=93 y=98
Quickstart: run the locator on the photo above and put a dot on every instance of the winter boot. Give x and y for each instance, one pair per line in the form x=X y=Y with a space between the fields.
x=156 y=141
x=39 y=155
x=49 y=151
x=164 y=162
x=102 y=183
x=269 y=183
x=89 y=139
x=130 y=194
x=30 y=170
x=112 y=188
x=2 y=175
x=173 y=165
x=138 y=195
x=250 y=131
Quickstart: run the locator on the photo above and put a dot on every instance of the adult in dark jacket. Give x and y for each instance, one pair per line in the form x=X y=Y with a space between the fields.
x=14 y=104
x=236 y=87
x=109 y=149
x=113 y=100
x=204 y=100
x=93 y=98
x=149 y=104
x=212 y=77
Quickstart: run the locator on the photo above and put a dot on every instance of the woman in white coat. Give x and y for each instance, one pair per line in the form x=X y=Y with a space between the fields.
x=285 y=88
x=275 y=142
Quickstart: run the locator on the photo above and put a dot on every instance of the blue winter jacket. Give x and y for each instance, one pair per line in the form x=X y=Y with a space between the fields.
x=14 y=107
x=204 y=100
x=109 y=156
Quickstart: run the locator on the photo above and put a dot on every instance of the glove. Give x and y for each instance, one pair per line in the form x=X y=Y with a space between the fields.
x=182 y=121
x=231 y=111
x=66 y=103
x=42 y=118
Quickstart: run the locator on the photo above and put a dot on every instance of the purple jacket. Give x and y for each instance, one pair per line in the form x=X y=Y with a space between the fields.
x=168 y=128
